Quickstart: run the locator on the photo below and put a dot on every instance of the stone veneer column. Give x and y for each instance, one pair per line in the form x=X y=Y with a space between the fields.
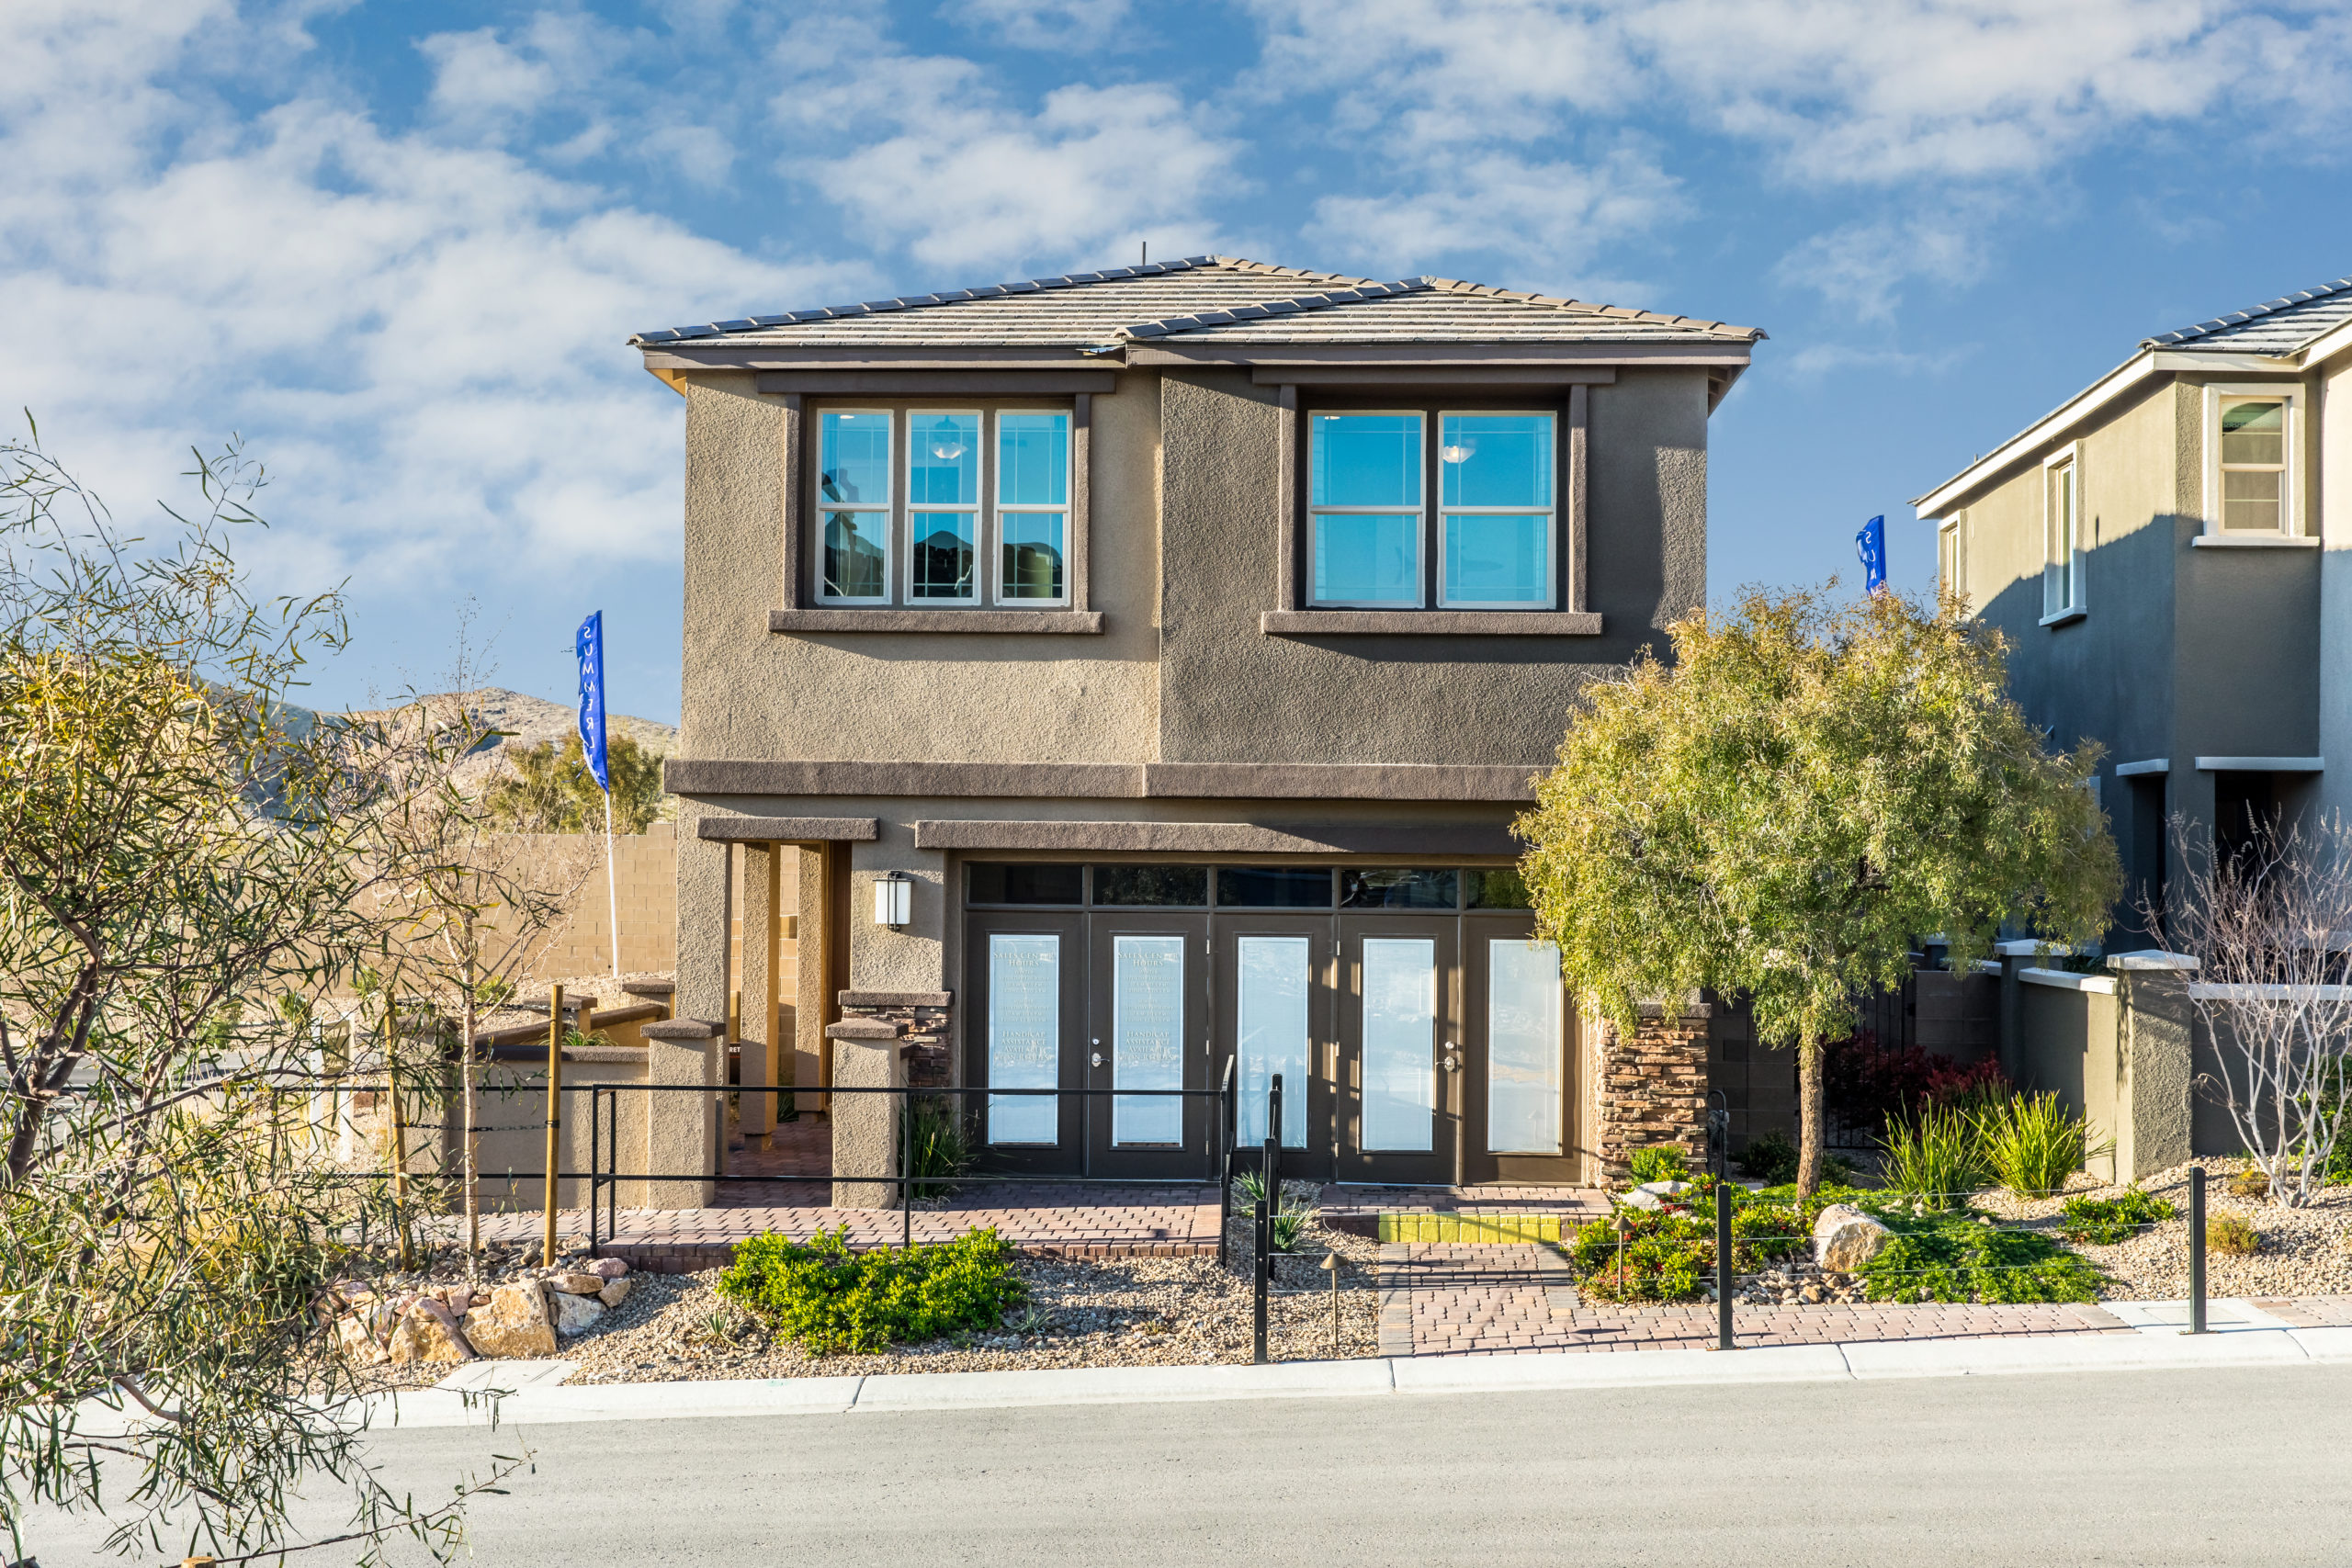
x=1654 y=1089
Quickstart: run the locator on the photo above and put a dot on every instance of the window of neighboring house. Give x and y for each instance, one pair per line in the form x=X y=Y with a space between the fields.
x=2062 y=569
x=2254 y=465
x=965 y=537
x=1951 y=563
x=1374 y=540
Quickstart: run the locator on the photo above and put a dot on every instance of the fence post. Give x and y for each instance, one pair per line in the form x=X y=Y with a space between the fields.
x=554 y=1118
x=1222 y=1144
x=2196 y=1249
x=595 y=1151
x=1722 y=1267
x=906 y=1166
x=1269 y=1205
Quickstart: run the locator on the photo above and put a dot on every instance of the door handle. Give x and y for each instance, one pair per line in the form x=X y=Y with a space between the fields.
x=1098 y=1058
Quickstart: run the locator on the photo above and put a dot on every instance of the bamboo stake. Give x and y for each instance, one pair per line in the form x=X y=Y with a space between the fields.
x=555 y=1114
x=400 y=1118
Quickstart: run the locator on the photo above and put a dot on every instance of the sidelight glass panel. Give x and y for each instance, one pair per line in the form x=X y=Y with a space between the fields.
x=1146 y=1037
x=1270 y=1014
x=1024 y=1036
x=1524 y=1060
x=1399 y=1043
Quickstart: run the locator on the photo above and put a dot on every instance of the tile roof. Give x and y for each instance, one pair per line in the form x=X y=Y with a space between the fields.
x=2274 y=327
x=1204 y=298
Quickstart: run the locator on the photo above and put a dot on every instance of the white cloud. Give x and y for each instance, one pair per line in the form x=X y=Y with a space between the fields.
x=939 y=162
x=1550 y=219
x=1082 y=24
x=1860 y=266
x=423 y=338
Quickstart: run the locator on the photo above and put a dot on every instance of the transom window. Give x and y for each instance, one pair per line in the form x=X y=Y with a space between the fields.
x=943 y=507
x=1407 y=507
x=2253 y=464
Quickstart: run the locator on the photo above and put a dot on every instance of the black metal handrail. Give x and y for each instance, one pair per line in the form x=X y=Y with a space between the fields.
x=605 y=1175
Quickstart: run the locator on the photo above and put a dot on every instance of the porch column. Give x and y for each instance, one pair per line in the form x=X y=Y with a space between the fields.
x=684 y=1130
x=756 y=1027
x=820 y=966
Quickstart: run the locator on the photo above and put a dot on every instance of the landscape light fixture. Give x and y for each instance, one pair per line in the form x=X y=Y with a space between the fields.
x=894 y=897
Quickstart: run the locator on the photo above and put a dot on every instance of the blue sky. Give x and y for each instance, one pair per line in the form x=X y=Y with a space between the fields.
x=399 y=246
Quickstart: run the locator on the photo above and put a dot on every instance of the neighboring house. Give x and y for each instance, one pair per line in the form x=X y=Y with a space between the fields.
x=1147 y=666
x=2155 y=550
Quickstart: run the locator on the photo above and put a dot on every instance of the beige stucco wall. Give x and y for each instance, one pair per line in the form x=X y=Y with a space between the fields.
x=2121 y=1058
x=750 y=694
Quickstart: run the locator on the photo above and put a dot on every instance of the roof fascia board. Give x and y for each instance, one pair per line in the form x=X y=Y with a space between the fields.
x=875 y=357
x=2224 y=363
x=1436 y=375
x=1428 y=353
x=899 y=381
x=2021 y=447
x=2325 y=346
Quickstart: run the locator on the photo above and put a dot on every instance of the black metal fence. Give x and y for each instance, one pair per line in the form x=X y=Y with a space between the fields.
x=605 y=1177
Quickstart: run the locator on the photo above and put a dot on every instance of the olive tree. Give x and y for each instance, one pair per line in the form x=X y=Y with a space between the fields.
x=184 y=877
x=1783 y=807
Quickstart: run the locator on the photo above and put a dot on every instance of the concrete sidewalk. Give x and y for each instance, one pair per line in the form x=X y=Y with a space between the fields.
x=2243 y=1336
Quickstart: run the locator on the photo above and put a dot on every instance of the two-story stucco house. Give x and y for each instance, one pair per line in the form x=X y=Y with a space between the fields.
x=2166 y=555
x=1141 y=670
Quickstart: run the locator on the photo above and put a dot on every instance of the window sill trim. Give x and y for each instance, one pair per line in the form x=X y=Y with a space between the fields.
x=1428 y=622
x=2061 y=617
x=2254 y=542
x=893 y=619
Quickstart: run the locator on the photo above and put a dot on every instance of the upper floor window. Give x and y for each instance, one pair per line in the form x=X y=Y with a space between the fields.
x=2062 y=567
x=1951 y=557
x=943 y=507
x=1410 y=506
x=2253 y=464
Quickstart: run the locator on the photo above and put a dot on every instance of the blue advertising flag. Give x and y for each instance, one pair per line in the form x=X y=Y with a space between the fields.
x=1872 y=541
x=589 y=644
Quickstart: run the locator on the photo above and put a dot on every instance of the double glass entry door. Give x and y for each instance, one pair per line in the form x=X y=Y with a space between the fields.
x=1412 y=1048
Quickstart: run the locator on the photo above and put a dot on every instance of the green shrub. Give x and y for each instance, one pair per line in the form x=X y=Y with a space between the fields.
x=2032 y=1143
x=1297 y=1206
x=940 y=1143
x=830 y=1299
x=2106 y=1220
x=1954 y=1257
x=1771 y=1158
x=2251 y=1182
x=2232 y=1235
x=1938 y=1157
x=1669 y=1255
x=1663 y=1163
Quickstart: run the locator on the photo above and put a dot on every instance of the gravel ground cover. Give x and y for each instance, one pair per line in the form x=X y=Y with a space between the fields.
x=2304 y=1252
x=1113 y=1312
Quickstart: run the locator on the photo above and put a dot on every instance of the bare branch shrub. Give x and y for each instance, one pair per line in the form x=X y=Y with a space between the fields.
x=2269 y=919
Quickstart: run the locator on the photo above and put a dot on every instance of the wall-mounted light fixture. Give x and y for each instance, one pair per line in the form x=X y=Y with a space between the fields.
x=894 y=898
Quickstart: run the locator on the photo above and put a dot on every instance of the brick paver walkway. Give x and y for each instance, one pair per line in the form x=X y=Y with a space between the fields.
x=1156 y=1222
x=1458 y=1299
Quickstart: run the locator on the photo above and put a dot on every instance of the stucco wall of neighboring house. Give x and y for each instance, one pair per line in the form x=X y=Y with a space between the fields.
x=752 y=694
x=2331 y=515
x=2107 y=676
x=1232 y=694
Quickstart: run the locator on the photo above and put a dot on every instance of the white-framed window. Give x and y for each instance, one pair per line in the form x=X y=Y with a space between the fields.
x=2062 y=531
x=1395 y=520
x=942 y=508
x=1033 y=507
x=1951 y=556
x=943 y=452
x=2250 y=439
x=853 y=506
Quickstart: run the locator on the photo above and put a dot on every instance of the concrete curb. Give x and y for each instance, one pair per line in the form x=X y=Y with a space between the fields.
x=2148 y=1350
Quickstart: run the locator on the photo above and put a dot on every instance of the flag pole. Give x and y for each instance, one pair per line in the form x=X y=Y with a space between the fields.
x=612 y=883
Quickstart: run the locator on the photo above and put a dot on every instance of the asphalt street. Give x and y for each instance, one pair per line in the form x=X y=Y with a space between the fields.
x=2199 y=1467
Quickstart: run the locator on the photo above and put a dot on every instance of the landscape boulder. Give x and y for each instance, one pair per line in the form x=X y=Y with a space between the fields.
x=609 y=1269
x=1844 y=1239
x=427 y=1332
x=575 y=1314
x=513 y=1323
x=616 y=1291
x=577 y=1284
